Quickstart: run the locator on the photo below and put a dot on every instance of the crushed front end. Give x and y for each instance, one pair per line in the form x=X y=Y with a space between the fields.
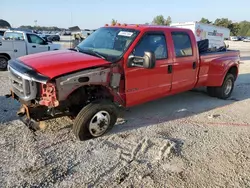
x=42 y=98
x=37 y=97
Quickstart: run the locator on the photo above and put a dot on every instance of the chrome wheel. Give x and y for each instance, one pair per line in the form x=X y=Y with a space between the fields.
x=99 y=123
x=228 y=86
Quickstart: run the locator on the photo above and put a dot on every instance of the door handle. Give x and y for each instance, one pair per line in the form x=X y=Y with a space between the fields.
x=170 y=69
x=33 y=46
x=194 y=65
x=15 y=50
x=0 y=43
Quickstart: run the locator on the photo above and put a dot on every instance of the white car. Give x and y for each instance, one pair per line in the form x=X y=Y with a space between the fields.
x=15 y=44
x=246 y=39
x=234 y=38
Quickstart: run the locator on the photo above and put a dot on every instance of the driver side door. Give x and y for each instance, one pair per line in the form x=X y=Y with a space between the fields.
x=143 y=84
x=36 y=44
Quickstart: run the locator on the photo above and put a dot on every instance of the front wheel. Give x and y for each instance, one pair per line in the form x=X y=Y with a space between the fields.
x=94 y=120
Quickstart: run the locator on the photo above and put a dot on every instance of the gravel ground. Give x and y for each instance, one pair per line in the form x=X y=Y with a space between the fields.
x=186 y=140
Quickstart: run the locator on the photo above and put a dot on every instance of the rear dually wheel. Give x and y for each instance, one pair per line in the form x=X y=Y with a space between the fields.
x=224 y=91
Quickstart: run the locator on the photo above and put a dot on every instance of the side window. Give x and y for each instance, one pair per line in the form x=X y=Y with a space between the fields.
x=182 y=44
x=34 y=39
x=152 y=42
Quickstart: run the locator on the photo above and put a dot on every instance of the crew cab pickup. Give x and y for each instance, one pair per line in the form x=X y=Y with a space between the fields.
x=15 y=44
x=116 y=66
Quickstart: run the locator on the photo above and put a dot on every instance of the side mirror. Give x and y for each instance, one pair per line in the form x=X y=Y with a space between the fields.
x=147 y=61
x=44 y=43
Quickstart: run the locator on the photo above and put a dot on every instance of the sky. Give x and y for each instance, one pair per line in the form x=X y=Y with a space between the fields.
x=92 y=14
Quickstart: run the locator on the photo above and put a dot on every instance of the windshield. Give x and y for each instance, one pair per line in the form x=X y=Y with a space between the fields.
x=110 y=43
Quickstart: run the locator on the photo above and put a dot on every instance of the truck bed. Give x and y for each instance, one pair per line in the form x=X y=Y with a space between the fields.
x=211 y=69
x=225 y=52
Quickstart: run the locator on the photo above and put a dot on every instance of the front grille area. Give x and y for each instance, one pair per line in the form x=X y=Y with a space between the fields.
x=22 y=85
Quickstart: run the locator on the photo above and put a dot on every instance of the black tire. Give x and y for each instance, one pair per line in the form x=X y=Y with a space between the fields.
x=224 y=91
x=82 y=122
x=221 y=91
x=211 y=91
x=3 y=62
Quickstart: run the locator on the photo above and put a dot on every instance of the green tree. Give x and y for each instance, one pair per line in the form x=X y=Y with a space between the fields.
x=160 y=20
x=248 y=33
x=234 y=28
x=244 y=28
x=205 y=21
x=168 y=21
x=223 y=22
x=113 y=22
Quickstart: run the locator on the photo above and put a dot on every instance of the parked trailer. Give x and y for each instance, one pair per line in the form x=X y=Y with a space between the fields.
x=215 y=34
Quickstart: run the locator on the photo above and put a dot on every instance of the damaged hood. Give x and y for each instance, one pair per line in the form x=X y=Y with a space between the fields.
x=55 y=63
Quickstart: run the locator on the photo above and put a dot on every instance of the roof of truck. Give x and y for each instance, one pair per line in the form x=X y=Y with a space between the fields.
x=141 y=27
x=18 y=31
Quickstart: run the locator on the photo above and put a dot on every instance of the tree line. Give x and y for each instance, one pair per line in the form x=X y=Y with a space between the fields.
x=41 y=28
x=5 y=24
x=237 y=28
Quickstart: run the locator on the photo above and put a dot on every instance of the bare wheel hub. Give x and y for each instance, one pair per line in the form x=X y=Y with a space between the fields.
x=99 y=123
x=228 y=86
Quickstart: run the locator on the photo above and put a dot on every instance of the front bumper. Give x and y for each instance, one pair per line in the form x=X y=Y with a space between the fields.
x=33 y=115
x=24 y=114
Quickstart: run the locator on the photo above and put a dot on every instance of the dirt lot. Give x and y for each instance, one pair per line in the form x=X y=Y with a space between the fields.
x=186 y=140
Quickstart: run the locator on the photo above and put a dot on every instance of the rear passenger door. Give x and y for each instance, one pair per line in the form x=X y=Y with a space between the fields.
x=184 y=62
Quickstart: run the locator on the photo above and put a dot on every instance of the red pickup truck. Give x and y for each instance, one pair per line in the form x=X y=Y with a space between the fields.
x=116 y=66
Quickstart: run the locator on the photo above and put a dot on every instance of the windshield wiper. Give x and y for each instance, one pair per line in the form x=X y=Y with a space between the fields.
x=90 y=52
x=98 y=54
x=79 y=49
